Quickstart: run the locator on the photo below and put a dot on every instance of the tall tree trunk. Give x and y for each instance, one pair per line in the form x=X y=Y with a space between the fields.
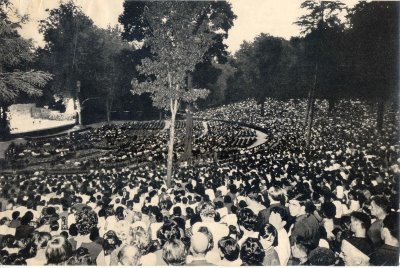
x=312 y=108
x=262 y=107
x=310 y=122
x=4 y=126
x=379 y=115
x=309 y=99
x=79 y=108
x=174 y=109
x=331 y=106
x=187 y=156
x=108 y=109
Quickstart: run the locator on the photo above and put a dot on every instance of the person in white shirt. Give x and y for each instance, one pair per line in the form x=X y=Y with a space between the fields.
x=207 y=214
x=4 y=229
x=253 y=204
x=278 y=218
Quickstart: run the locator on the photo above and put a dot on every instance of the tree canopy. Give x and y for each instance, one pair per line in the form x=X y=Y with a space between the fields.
x=16 y=55
x=221 y=18
x=179 y=36
x=77 y=50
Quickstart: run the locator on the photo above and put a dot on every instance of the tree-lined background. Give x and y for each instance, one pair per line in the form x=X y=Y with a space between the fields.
x=335 y=57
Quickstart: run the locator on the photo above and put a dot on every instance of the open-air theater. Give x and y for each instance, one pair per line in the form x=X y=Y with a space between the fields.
x=277 y=155
x=242 y=165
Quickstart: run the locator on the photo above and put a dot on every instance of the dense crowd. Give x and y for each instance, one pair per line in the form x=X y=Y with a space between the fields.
x=336 y=203
x=137 y=142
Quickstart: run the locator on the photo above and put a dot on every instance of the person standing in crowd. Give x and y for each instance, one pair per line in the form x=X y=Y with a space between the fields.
x=58 y=251
x=379 y=209
x=15 y=220
x=129 y=256
x=229 y=251
x=276 y=197
x=300 y=251
x=175 y=253
x=360 y=223
x=388 y=254
x=269 y=240
x=111 y=246
x=279 y=218
x=356 y=252
x=207 y=214
x=252 y=252
x=306 y=225
x=199 y=247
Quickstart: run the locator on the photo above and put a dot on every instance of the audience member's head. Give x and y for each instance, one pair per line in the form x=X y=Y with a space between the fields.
x=356 y=251
x=268 y=236
x=129 y=256
x=228 y=248
x=199 y=244
x=174 y=252
x=390 y=227
x=58 y=250
x=252 y=252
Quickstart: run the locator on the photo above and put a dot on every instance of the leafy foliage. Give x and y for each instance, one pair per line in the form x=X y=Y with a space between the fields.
x=13 y=84
x=178 y=41
x=264 y=66
x=321 y=15
x=77 y=50
x=220 y=18
x=16 y=52
x=70 y=47
x=15 y=55
x=373 y=46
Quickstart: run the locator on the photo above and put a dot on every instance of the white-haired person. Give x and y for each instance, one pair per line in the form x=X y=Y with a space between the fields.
x=199 y=247
x=141 y=238
x=129 y=256
x=58 y=251
x=174 y=253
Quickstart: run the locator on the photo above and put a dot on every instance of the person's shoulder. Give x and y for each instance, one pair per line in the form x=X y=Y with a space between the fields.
x=149 y=259
x=387 y=249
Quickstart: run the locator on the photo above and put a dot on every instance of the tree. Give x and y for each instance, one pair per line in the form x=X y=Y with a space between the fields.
x=374 y=46
x=322 y=16
x=237 y=88
x=219 y=13
x=265 y=66
x=178 y=43
x=80 y=53
x=16 y=79
x=116 y=69
x=69 y=51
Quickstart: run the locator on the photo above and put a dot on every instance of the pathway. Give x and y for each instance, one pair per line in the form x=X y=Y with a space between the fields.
x=261 y=138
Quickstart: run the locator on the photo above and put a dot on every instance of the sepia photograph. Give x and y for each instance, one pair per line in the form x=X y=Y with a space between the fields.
x=199 y=133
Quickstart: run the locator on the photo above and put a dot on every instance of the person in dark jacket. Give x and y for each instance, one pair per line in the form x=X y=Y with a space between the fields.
x=276 y=198
x=25 y=230
x=388 y=254
x=15 y=220
x=306 y=225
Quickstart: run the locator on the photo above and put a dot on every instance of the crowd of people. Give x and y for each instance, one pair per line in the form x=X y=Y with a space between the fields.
x=334 y=203
x=137 y=142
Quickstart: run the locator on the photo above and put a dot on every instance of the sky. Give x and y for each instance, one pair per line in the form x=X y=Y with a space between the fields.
x=274 y=17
